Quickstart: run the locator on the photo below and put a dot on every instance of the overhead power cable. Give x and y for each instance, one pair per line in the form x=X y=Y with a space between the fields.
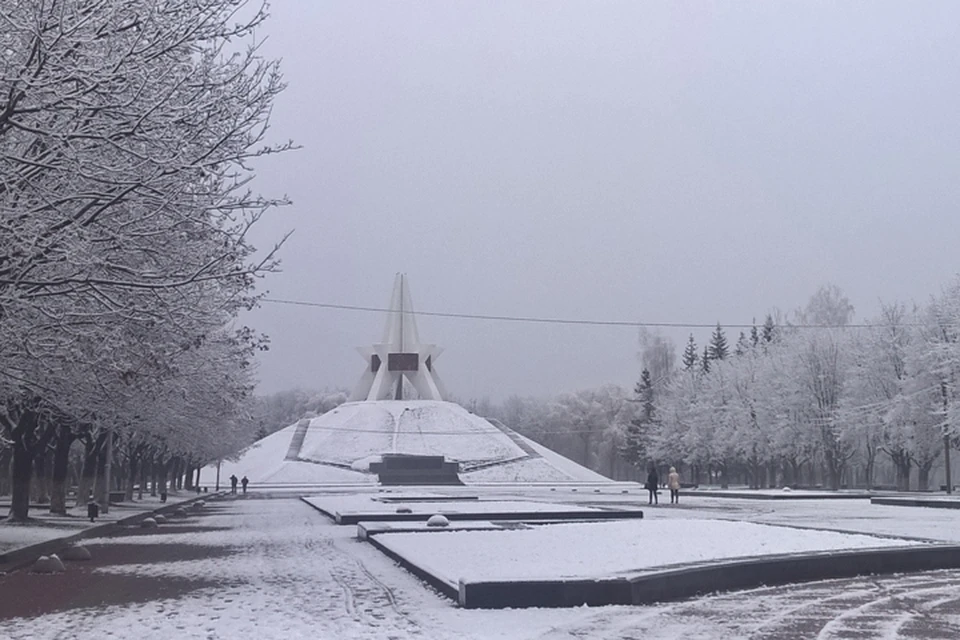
x=566 y=321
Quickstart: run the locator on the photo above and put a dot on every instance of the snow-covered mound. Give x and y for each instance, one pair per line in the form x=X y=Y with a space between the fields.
x=362 y=429
x=338 y=446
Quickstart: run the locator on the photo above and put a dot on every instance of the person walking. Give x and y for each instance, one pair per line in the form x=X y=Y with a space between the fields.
x=653 y=483
x=244 y=482
x=673 y=483
x=233 y=484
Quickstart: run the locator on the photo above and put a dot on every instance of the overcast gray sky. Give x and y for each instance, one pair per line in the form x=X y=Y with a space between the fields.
x=646 y=161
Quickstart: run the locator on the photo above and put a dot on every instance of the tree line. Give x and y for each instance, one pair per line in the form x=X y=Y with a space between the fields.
x=803 y=399
x=127 y=132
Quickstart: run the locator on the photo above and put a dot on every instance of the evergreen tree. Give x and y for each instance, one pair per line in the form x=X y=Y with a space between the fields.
x=742 y=345
x=690 y=355
x=754 y=334
x=634 y=449
x=705 y=360
x=769 y=329
x=718 y=349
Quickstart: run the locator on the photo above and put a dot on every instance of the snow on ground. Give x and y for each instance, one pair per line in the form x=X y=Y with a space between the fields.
x=293 y=471
x=604 y=549
x=526 y=470
x=565 y=465
x=365 y=504
x=293 y=574
x=361 y=429
x=838 y=515
x=43 y=526
x=258 y=461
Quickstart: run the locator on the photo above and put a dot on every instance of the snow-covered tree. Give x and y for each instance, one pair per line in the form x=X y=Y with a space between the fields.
x=718 y=349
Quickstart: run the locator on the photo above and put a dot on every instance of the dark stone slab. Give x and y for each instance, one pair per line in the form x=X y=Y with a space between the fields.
x=788 y=569
x=523 y=516
x=787 y=495
x=390 y=498
x=407 y=469
x=916 y=502
x=543 y=593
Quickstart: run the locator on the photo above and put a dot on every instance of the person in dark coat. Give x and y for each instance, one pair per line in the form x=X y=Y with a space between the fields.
x=244 y=482
x=653 y=482
x=233 y=484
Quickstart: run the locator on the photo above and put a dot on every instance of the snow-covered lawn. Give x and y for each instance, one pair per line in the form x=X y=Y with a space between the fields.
x=605 y=549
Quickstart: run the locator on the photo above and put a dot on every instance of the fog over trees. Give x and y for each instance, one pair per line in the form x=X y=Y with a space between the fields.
x=808 y=399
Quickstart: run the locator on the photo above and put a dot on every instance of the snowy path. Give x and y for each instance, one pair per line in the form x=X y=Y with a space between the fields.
x=905 y=607
x=287 y=573
x=281 y=570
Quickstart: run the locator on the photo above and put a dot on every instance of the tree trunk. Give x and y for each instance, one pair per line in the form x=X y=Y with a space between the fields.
x=40 y=480
x=91 y=449
x=143 y=477
x=162 y=470
x=132 y=469
x=6 y=457
x=902 y=463
x=61 y=464
x=188 y=475
x=154 y=479
x=923 y=476
x=23 y=452
x=101 y=490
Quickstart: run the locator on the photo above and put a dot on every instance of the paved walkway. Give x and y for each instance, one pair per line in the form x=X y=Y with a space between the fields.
x=256 y=568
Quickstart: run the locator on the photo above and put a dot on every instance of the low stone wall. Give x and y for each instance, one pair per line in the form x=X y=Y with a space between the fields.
x=698 y=580
x=935 y=503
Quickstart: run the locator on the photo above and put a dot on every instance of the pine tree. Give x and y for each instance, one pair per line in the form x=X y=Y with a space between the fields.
x=690 y=355
x=644 y=392
x=705 y=360
x=769 y=329
x=634 y=449
x=754 y=334
x=718 y=349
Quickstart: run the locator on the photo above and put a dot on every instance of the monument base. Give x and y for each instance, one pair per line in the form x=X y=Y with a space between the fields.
x=409 y=469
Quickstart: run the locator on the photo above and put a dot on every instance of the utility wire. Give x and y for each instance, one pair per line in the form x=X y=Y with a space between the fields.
x=568 y=321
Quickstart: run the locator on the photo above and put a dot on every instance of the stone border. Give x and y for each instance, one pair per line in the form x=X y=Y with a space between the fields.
x=22 y=556
x=442 y=586
x=746 y=495
x=698 y=580
x=521 y=516
x=934 y=503
x=367 y=529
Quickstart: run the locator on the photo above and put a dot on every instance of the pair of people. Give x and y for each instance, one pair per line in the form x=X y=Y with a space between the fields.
x=233 y=484
x=673 y=483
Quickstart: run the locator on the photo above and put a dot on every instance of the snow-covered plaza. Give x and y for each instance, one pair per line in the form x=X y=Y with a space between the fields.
x=271 y=566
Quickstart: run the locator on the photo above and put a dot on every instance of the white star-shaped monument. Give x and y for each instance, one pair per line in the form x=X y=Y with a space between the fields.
x=399 y=355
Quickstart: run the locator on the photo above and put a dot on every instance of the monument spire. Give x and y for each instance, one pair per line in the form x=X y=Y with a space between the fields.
x=400 y=355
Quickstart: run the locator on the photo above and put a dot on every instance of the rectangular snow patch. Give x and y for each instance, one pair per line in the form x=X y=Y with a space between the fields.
x=604 y=550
